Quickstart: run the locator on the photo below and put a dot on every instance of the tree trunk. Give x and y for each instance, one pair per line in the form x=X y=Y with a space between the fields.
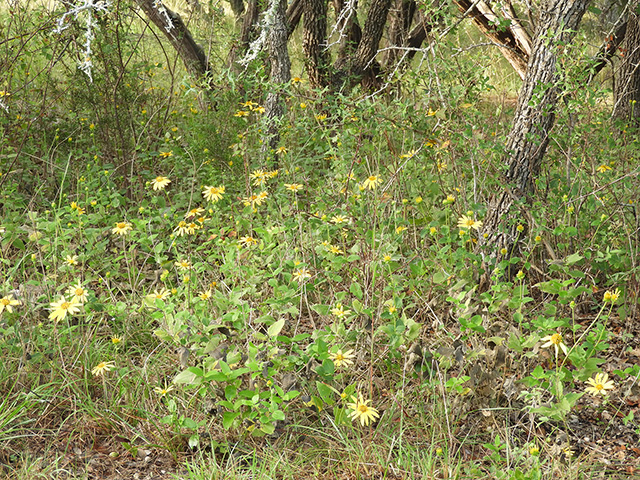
x=280 y=75
x=534 y=118
x=627 y=88
x=314 y=40
x=514 y=41
x=294 y=13
x=401 y=19
x=349 y=29
x=179 y=36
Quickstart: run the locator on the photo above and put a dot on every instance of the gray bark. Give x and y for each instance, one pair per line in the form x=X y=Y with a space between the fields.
x=534 y=118
x=280 y=75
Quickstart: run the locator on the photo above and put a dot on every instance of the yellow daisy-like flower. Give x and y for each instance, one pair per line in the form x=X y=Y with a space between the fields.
x=159 y=183
x=194 y=212
x=362 y=411
x=599 y=385
x=255 y=200
x=116 y=340
x=400 y=229
x=78 y=293
x=449 y=200
x=556 y=341
x=103 y=367
x=166 y=154
x=241 y=113
x=121 y=228
x=339 y=219
x=247 y=241
x=301 y=274
x=259 y=177
x=213 y=194
x=71 y=259
x=159 y=294
x=62 y=308
x=183 y=265
x=603 y=168
x=342 y=358
x=281 y=150
x=468 y=222
x=371 y=182
x=184 y=228
x=205 y=295
x=611 y=296
x=339 y=311
x=8 y=303
x=293 y=187
x=335 y=250
x=162 y=391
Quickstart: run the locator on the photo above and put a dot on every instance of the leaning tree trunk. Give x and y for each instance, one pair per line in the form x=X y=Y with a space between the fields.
x=627 y=106
x=171 y=24
x=534 y=118
x=513 y=40
x=280 y=74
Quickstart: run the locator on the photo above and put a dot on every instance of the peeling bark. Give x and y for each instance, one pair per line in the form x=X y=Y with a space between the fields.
x=180 y=38
x=514 y=40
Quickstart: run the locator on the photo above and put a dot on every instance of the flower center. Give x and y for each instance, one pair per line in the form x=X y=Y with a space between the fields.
x=65 y=306
x=556 y=339
x=5 y=302
x=363 y=409
x=339 y=357
x=599 y=387
x=79 y=292
x=121 y=225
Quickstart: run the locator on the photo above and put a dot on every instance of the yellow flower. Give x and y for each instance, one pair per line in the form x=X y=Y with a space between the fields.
x=371 y=182
x=166 y=154
x=272 y=173
x=400 y=229
x=296 y=80
x=159 y=183
x=409 y=154
x=503 y=251
x=449 y=200
x=538 y=239
x=610 y=296
x=520 y=228
x=116 y=340
x=121 y=228
x=556 y=341
x=62 y=308
x=362 y=411
x=159 y=294
x=431 y=112
x=213 y=194
x=183 y=265
x=468 y=222
x=301 y=274
x=100 y=369
x=386 y=258
x=241 y=113
x=293 y=187
x=194 y=212
x=281 y=150
x=339 y=358
x=603 y=168
x=8 y=302
x=339 y=311
x=433 y=230
x=205 y=295
x=335 y=250
x=339 y=219
x=248 y=241
x=258 y=176
x=184 y=228
x=418 y=199
x=599 y=385
x=162 y=391
x=78 y=293
x=255 y=200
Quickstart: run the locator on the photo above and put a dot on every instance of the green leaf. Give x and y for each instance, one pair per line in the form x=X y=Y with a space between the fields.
x=275 y=328
x=278 y=415
x=228 y=418
x=191 y=376
x=356 y=290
